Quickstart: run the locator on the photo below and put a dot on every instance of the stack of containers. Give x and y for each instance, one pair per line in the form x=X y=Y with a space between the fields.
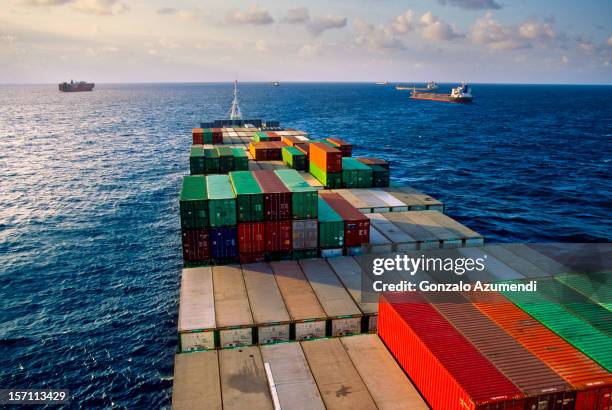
x=277 y=215
x=304 y=210
x=222 y=219
x=355 y=174
x=196 y=160
x=217 y=160
x=293 y=157
x=266 y=150
x=344 y=147
x=194 y=220
x=325 y=164
x=380 y=171
x=250 y=217
x=446 y=368
x=207 y=136
x=291 y=140
x=241 y=159
x=356 y=224
x=226 y=159
x=211 y=161
x=266 y=136
x=331 y=230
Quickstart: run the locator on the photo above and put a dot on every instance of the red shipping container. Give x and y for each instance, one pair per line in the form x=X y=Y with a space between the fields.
x=356 y=224
x=273 y=136
x=303 y=147
x=444 y=366
x=345 y=148
x=266 y=150
x=327 y=158
x=196 y=246
x=252 y=257
x=277 y=197
x=251 y=237
x=279 y=236
x=217 y=135
x=198 y=136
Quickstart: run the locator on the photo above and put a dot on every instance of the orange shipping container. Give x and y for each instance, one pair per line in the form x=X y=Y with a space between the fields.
x=326 y=158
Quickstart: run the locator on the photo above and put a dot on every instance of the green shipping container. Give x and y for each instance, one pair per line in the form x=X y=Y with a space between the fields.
x=260 y=136
x=196 y=160
x=596 y=286
x=211 y=161
x=305 y=253
x=241 y=159
x=249 y=196
x=380 y=176
x=194 y=202
x=331 y=180
x=221 y=201
x=226 y=159
x=355 y=174
x=552 y=314
x=331 y=227
x=303 y=196
x=207 y=139
x=294 y=158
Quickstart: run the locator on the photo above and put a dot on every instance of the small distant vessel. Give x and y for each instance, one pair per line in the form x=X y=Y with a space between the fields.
x=461 y=94
x=73 y=86
x=275 y=83
x=429 y=87
x=383 y=83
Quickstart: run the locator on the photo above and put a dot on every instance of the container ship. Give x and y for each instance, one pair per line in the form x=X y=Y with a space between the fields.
x=429 y=87
x=461 y=94
x=73 y=86
x=273 y=315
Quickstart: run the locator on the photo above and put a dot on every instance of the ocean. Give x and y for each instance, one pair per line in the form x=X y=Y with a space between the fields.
x=89 y=233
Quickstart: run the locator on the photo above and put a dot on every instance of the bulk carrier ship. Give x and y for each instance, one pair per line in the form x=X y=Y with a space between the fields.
x=75 y=86
x=461 y=94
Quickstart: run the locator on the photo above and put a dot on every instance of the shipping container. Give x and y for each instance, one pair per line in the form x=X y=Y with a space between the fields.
x=326 y=158
x=298 y=254
x=293 y=157
x=589 y=340
x=355 y=174
x=197 y=136
x=330 y=180
x=331 y=226
x=267 y=305
x=295 y=386
x=594 y=286
x=339 y=382
x=224 y=244
x=424 y=238
x=545 y=388
x=221 y=201
x=400 y=240
x=196 y=381
x=196 y=319
x=196 y=245
x=303 y=197
x=335 y=300
x=378 y=242
x=304 y=148
x=196 y=160
x=244 y=384
x=291 y=140
x=594 y=383
x=312 y=181
x=305 y=234
x=387 y=383
x=211 y=161
x=232 y=310
x=266 y=151
x=279 y=236
x=226 y=159
x=380 y=176
x=415 y=200
x=374 y=161
x=448 y=238
x=443 y=365
x=193 y=202
x=249 y=196
x=241 y=159
x=251 y=240
x=277 y=197
x=308 y=317
x=356 y=224
x=471 y=238
x=349 y=272
x=345 y=148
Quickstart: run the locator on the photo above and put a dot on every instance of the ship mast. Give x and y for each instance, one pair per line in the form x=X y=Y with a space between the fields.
x=235 y=113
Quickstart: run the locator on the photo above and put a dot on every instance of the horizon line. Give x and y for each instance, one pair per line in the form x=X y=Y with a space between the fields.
x=314 y=82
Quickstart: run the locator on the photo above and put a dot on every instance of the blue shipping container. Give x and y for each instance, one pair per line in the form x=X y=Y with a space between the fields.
x=224 y=243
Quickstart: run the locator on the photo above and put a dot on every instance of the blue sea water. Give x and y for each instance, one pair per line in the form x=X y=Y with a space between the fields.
x=89 y=240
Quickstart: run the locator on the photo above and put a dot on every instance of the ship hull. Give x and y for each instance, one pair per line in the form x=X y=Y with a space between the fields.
x=71 y=88
x=440 y=97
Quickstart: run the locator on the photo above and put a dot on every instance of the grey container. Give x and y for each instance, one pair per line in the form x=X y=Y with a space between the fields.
x=305 y=234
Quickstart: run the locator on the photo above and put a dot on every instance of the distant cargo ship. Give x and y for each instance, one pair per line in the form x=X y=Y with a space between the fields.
x=75 y=86
x=429 y=87
x=461 y=94
x=382 y=83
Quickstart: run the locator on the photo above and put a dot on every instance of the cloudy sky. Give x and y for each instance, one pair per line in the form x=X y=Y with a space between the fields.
x=550 y=41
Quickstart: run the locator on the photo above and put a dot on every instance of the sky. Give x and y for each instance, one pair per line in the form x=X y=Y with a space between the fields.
x=503 y=41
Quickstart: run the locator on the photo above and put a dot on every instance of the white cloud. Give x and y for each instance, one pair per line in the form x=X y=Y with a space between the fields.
x=309 y=50
x=375 y=37
x=536 y=30
x=319 y=24
x=587 y=46
x=403 y=23
x=101 y=7
x=297 y=16
x=472 y=4
x=254 y=15
x=495 y=35
x=432 y=28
